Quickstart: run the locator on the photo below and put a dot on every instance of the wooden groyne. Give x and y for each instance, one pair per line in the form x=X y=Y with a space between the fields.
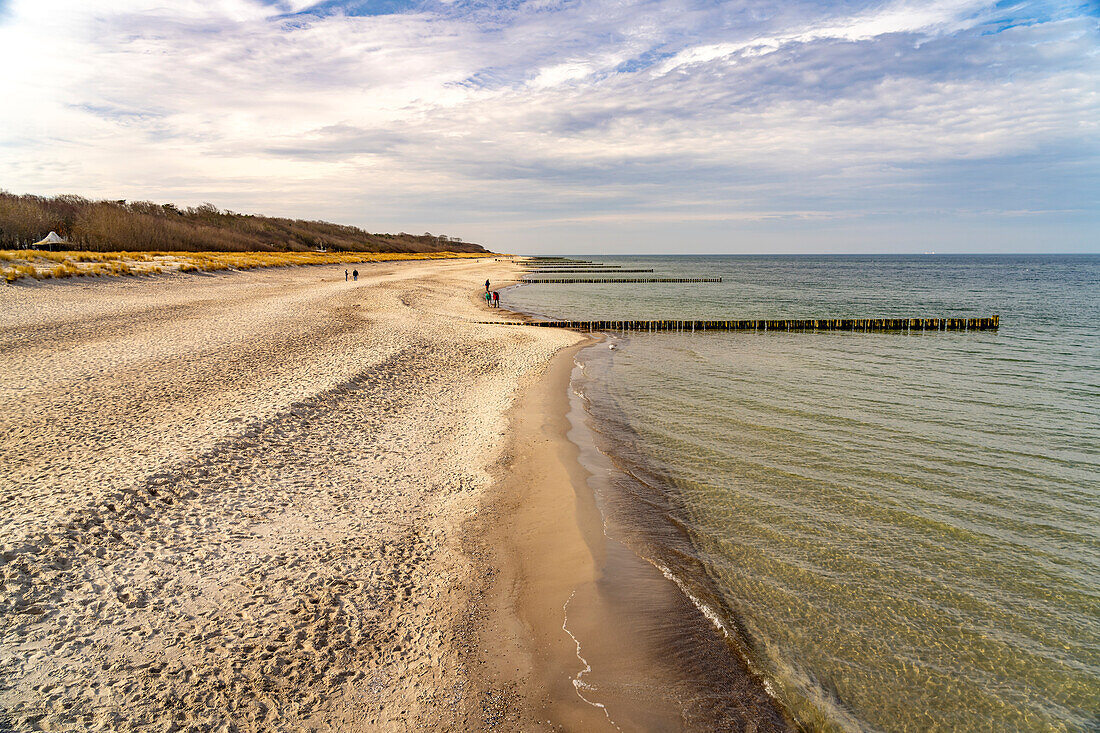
x=586 y=272
x=555 y=260
x=566 y=264
x=805 y=324
x=562 y=281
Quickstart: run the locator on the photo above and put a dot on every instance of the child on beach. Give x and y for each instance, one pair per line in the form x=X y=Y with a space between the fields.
x=496 y=299
x=486 y=286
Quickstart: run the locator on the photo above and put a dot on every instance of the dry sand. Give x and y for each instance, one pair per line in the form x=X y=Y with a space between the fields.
x=240 y=501
x=276 y=500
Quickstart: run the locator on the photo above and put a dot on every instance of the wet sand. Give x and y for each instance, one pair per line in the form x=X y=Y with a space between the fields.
x=586 y=635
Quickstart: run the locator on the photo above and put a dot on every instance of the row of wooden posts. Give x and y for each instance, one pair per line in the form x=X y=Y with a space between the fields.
x=626 y=280
x=586 y=272
x=561 y=265
x=803 y=324
x=558 y=260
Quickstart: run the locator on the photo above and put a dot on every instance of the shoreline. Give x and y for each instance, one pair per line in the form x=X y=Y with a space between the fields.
x=792 y=473
x=707 y=671
x=280 y=500
x=599 y=637
x=529 y=529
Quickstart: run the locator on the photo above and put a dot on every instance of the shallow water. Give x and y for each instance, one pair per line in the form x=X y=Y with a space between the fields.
x=899 y=531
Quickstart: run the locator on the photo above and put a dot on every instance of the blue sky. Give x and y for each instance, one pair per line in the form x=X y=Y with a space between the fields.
x=576 y=125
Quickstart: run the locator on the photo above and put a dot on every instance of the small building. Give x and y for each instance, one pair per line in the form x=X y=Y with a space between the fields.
x=50 y=241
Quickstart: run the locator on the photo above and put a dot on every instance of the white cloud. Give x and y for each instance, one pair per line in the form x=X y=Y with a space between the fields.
x=559 y=74
x=901 y=17
x=589 y=111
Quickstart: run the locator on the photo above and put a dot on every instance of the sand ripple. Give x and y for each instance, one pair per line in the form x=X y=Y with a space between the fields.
x=231 y=502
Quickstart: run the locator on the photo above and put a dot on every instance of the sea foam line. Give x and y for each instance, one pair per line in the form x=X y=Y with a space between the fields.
x=579 y=683
x=715 y=618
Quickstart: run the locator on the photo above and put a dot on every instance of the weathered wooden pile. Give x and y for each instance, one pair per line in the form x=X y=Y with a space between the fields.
x=589 y=271
x=559 y=281
x=803 y=324
x=541 y=267
x=544 y=271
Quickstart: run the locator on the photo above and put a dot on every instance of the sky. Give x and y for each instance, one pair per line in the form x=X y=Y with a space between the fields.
x=576 y=126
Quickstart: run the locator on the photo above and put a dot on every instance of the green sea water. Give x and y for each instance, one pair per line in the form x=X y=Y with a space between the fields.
x=900 y=531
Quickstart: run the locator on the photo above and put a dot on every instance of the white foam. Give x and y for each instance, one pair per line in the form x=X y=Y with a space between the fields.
x=707 y=611
x=714 y=617
x=578 y=681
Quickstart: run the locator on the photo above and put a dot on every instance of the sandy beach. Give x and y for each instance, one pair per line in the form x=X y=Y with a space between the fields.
x=277 y=500
x=240 y=501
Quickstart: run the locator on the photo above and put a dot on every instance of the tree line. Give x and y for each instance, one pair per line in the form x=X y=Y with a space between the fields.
x=137 y=226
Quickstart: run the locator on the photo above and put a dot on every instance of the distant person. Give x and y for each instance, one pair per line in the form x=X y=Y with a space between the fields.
x=486 y=286
x=496 y=299
x=345 y=275
x=488 y=299
x=355 y=275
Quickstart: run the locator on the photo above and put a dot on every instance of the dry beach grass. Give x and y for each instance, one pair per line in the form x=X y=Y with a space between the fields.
x=235 y=501
x=16 y=264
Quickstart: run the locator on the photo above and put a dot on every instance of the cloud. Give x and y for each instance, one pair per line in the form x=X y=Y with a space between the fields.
x=436 y=114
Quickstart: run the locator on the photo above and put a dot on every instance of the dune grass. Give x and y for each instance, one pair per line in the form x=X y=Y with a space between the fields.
x=19 y=264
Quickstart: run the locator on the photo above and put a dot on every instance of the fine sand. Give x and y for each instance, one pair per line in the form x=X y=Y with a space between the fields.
x=276 y=500
x=587 y=635
x=239 y=501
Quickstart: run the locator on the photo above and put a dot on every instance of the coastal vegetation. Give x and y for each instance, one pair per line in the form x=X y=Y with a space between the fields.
x=25 y=263
x=145 y=226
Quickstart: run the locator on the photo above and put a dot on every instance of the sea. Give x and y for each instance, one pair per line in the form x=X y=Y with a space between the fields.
x=894 y=531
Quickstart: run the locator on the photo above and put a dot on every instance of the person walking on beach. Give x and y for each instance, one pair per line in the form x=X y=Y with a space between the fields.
x=486 y=286
x=355 y=275
x=345 y=275
x=496 y=299
x=488 y=299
